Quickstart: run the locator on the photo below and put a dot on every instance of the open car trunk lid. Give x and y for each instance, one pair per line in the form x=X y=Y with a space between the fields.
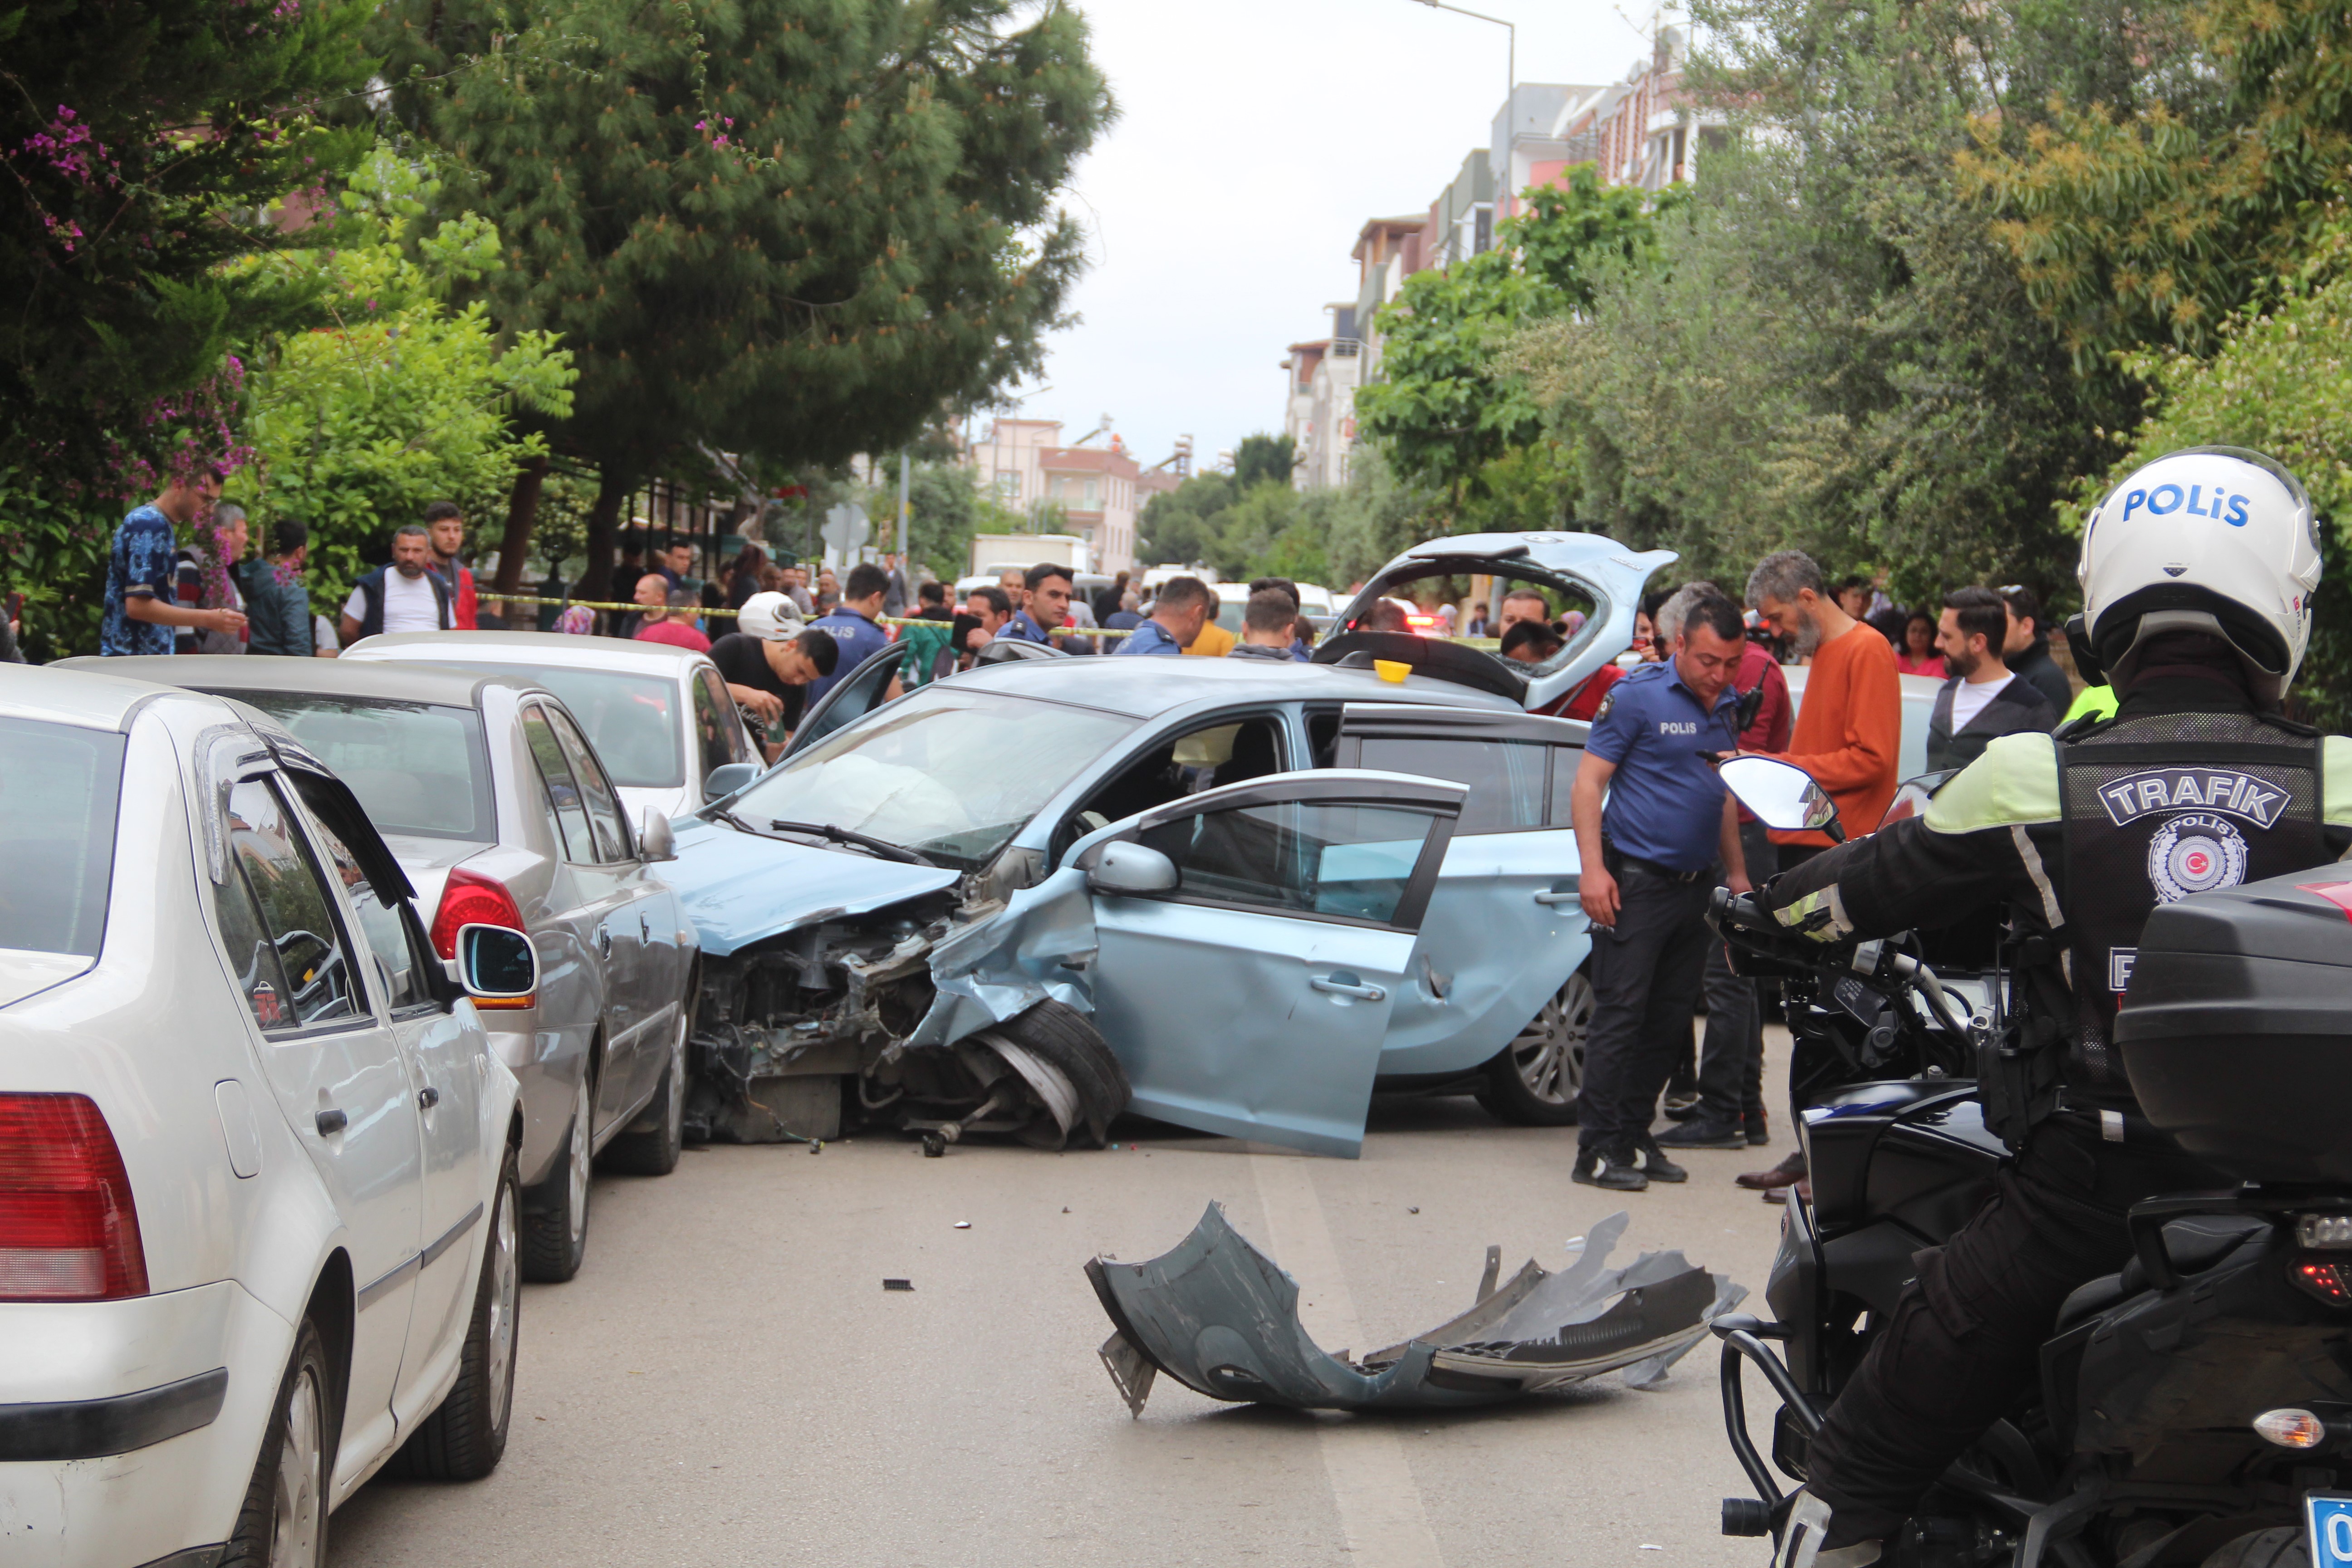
x=1587 y=565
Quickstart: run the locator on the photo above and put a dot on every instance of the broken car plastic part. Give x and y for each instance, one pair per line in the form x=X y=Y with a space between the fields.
x=1221 y=1318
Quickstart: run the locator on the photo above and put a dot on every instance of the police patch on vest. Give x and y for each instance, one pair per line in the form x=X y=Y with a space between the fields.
x=1608 y=701
x=2211 y=789
x=2196 y=852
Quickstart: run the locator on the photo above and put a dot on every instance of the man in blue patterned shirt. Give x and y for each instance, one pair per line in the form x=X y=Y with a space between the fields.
x=142 y=607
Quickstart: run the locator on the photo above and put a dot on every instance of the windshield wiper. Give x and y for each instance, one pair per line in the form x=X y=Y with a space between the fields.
x=719 y=814
x=882 y=846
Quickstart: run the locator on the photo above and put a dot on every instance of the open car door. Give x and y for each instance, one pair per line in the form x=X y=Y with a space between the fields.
x=1570 y=566
x=853 y=697
x=1251 y=951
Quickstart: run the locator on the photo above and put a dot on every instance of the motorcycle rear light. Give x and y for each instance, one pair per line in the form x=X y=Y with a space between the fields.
x=2291 y=1429
x=2324 y=1232
x=468 y=899
x=2321 y=1280
x=69 y=1230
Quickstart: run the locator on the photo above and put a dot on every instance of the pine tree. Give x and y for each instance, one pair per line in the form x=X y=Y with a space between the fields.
x=795 y=229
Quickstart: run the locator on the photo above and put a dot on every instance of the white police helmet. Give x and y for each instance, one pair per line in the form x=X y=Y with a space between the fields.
x=2214 y=539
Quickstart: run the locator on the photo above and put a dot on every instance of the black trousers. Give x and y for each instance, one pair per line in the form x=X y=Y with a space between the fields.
x=1645 y=969
x=1731 y=1053
x=1964 y=1342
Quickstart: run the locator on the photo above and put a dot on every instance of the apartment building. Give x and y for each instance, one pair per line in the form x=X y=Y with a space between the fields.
x=1022 y=463
x=1643 y=129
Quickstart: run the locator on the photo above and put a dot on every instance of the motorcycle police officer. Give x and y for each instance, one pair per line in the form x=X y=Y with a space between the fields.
x=2197 y=573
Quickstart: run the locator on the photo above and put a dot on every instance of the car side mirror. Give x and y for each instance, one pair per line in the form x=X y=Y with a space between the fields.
x=1783 y=796
x=1123 y=867
x=726 y=779
x=498 y=966
x=655 y=840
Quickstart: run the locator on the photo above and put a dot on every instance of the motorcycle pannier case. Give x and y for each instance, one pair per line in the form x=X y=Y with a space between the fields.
x=2236 y=1031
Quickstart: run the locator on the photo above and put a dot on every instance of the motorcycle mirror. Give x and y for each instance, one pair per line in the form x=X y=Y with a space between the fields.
x=1781 y=794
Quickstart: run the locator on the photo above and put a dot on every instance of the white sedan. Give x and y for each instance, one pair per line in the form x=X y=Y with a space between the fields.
x=659 y=715
x=258 y=1195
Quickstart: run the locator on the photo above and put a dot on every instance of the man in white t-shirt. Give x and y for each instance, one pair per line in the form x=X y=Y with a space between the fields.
x=406 y=596
x=1982 y=700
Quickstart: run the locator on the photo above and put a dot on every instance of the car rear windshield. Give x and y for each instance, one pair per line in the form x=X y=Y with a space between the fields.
x=631 y=719
x=59 y=787
x=418 y=767
x=953 y=775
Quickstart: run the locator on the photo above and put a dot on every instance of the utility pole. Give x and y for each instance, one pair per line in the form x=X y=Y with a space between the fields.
x=902 y=512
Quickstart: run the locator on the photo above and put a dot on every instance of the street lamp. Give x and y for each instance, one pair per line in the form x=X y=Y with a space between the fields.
x=1512 y=61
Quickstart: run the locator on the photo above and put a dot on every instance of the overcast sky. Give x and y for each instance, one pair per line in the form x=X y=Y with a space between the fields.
x=1254 y=139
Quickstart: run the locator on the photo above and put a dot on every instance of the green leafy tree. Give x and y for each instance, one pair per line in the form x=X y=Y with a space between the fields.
x=944 y=508
x=1261 y=458
x=1444 y=405
x=2152 y=215
x=138 y=139
x=401 y=399
x=1832 y=352
x=2280 y=382
x=1181 y=527
x=787 y=229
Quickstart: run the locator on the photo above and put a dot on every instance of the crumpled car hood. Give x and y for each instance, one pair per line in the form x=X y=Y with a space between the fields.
x=1221 y=1318
x=739 y=888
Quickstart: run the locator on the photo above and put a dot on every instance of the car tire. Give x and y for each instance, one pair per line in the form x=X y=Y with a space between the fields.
x=555 y=1226
x=464 y=1439
x=1534 y=1079
x=655 y=1150
x=2281 y=1546
x=1068 y=1040
x=283 y=1521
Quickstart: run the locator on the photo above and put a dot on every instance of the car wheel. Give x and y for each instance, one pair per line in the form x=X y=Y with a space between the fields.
x=2281 y=1546
x=555 y=1228
x=283 y=1522
x=1065 y=1043
x=464 y=1439
x=653 y=1149
x=1534 y=1079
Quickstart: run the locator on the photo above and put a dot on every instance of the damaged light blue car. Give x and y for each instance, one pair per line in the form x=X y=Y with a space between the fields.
x=1233 y=895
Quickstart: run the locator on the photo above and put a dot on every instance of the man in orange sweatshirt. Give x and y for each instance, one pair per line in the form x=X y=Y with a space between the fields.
x=1849 y=728
x=1850 y=725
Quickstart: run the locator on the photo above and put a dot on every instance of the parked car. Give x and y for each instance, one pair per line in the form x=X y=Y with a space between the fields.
x=502 y=813
x=660 y=716
x=907 y=893
x=258 y=1183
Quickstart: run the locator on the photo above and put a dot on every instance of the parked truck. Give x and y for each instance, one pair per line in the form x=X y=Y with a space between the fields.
x=991 y=553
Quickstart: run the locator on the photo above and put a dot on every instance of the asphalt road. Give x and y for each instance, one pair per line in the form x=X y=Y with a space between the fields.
x=726 y=1381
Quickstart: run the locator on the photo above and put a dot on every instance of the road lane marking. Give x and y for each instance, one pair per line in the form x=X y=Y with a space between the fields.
x=1378 y=1500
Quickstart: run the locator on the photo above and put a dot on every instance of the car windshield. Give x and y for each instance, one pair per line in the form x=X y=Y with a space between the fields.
x=59 y=787
x=953 y=775
x=418 y=767
x=631 y=719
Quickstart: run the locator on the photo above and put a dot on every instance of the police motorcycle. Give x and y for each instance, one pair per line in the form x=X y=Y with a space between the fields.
x=2195 y=1408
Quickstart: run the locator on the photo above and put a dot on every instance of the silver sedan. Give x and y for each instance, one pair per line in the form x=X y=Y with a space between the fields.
x=502 y=813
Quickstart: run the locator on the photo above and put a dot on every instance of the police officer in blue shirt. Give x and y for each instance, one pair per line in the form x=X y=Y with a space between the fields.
x=1184 y=608
x=1649 y=859
x=1048 y=584
x=853 y=625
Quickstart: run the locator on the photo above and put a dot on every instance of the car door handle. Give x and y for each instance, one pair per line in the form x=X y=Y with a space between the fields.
x=1567 y=897
x=605 y=941
x=331 y=1122
x=427 y=1098
x=1339 y=988
x=645 y=927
